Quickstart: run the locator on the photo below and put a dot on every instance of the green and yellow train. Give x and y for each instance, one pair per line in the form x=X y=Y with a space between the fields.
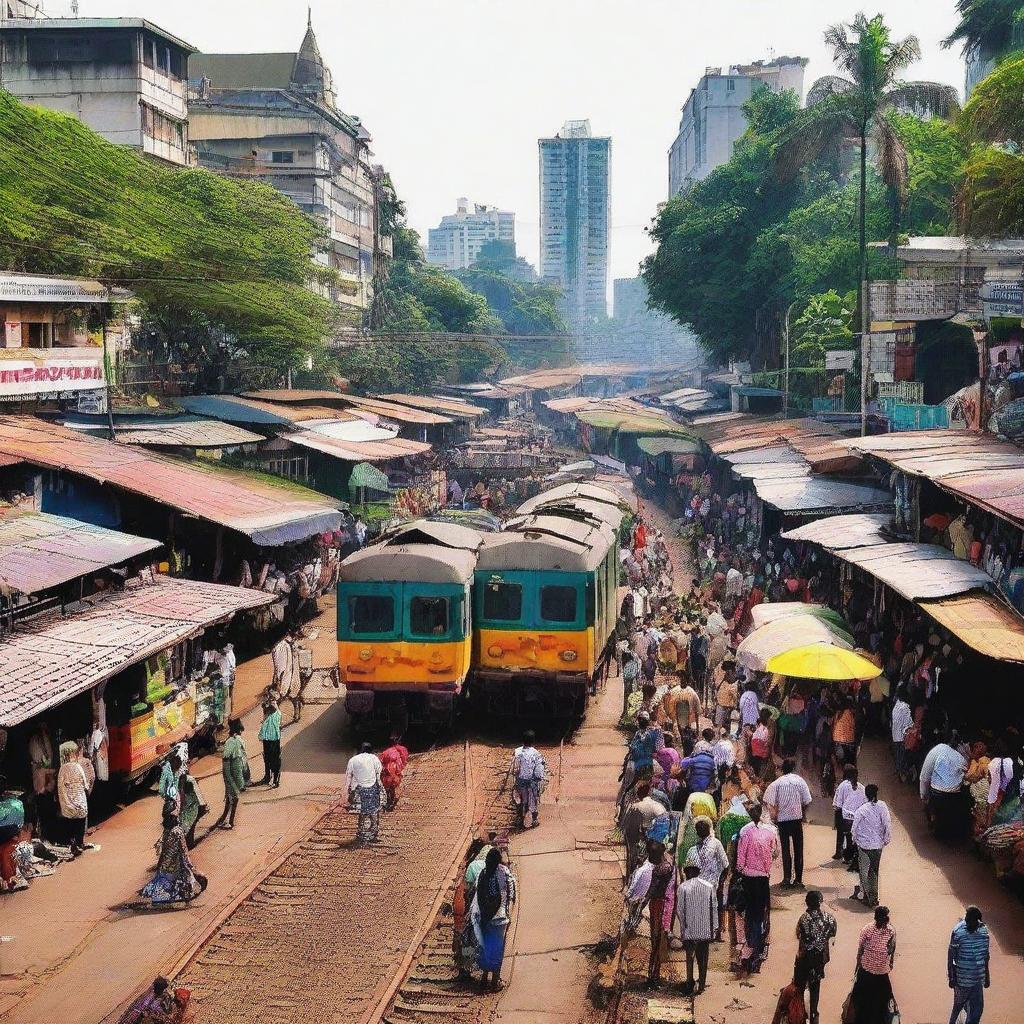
x=522 y=620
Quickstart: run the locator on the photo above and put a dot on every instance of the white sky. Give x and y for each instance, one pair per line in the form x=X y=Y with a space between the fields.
x=457 y=92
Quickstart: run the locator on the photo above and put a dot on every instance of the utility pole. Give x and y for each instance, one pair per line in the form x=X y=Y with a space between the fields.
x=785 y=400
x=865 y=349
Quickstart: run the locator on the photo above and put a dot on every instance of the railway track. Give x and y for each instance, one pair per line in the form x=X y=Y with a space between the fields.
x=330 y=934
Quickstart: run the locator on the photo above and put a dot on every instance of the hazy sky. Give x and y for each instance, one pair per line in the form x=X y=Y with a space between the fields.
x=456 y=92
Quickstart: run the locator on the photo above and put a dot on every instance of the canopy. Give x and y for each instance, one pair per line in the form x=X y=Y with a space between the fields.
x=983 y=622
x=822 y=661
x=655 y=446
x=786 y=634
x=762 y=614
x=365 y=475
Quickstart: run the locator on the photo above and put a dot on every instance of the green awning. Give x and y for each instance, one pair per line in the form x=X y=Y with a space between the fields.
x=370 y=477
x=655 y=446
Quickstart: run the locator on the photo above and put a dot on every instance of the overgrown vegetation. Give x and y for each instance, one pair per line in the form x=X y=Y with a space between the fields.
x=221 y=267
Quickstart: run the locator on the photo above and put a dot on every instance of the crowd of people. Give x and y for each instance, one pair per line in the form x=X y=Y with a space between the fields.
x=712 y=794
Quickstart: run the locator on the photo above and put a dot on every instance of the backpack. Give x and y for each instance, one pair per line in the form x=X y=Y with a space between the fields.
x=912 y=739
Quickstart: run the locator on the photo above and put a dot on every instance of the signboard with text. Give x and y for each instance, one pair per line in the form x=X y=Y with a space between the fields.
x=1002 y=298
x=24 y=379
x=31 y=288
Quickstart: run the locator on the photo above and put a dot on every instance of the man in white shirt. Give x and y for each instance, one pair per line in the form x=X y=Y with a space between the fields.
x=787 y=798
x=902 y=720
x=942 y=790
x=697 y=914
x=750 y=706
x=849 y=796
x=364 y=772
x=528 y=774
x=724 y=751
x=872 y=832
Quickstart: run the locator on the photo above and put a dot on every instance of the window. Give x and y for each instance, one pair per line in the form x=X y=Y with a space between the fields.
x=428 y=616
x=730 y=85
x=371 y=614
x=503 y=601
x=558 y=604
x=162 y=128
x=282 y=156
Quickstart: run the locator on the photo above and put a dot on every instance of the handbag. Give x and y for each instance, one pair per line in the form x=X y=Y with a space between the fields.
x=849 y=1013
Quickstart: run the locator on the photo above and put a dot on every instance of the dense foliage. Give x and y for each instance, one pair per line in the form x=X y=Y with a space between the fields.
x=220 y=266
x=989 y=25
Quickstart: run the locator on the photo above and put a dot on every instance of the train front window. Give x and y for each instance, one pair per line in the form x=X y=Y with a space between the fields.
x=558 y=604
x=428 y=616
x=503 y=602
x=372 y=613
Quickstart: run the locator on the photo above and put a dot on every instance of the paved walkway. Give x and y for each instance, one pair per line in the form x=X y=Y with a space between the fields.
x=926 y=886
x=71 y=954
x=570 y=877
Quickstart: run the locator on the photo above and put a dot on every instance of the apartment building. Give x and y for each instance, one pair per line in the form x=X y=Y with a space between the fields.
x=456 y=242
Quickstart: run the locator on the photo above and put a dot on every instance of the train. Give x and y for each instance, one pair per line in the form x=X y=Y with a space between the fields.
x=519 y=622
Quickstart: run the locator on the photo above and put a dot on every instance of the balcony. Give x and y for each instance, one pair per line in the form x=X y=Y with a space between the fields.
x=910 y=299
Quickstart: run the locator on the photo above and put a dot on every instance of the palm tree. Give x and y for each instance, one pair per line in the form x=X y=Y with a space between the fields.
x=856 y=108
x=987 y=26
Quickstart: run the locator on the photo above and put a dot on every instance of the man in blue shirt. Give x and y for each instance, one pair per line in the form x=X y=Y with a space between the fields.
x=968 y=966
x=701 y=768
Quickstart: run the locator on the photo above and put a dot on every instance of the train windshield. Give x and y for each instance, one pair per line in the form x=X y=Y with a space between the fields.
x=503 y=602
x=372 y=613
x=428 y=616
x=558 y=604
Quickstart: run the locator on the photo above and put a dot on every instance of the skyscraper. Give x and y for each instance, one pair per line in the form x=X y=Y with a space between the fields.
x=456 y=242
x=575 y=177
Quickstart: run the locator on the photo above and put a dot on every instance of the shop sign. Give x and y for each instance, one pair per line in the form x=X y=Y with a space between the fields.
x=20 y=378
x=1002 y=298
x=29 y=288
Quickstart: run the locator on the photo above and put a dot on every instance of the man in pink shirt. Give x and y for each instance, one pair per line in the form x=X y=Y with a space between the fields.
x=757 y=848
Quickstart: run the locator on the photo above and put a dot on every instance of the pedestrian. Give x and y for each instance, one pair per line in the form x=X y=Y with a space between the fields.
x=757 y=847
x=364 y=775
x=528 y=772
x=902 y=720
x=941 y=788
x=968 y=966
x=159 y=1004
x=661 y=900
x=170 y=771
x=234 y=764
x=872 y=832
x=73 y=797
x=697 y=913
x=790 y=1008
x=175 y=880
x=712 y=862
x=787 y=799
x=687 y=707
x=490 y=915
x=726 y=696
x=849 y=796
x=12 y=827
x=871 y=1000
x=270 y=737
x=701 y=770
x=761 y=743
x=193 y=807
x=638 y=763
x=750 y=706
x=394 y=759
x=637 y=820
x=815 y=932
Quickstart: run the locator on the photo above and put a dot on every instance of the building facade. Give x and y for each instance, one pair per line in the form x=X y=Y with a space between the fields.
x=713 y=119
x=125 y=78
x=575 y=194
x=456 y=242
x=274 y=116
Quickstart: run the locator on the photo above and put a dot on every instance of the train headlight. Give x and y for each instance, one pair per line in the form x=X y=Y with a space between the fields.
x=365 y=654
x=568 y=655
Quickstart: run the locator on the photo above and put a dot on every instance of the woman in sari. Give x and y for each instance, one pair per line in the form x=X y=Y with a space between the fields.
x=73 y=797
x=492 y=904
x=175 y=881
x=464 y=947
x=234 y=765
x=193 y=807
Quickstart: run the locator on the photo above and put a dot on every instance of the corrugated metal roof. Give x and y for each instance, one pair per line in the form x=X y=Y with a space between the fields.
x=400 y=413
x=451 y=406
x=295 y=395
x=267 y=512
x=983 y=623
x=841 y=532
x=816 y=494
x=542 y=380
x=234 y=409
x=918 y=570
x=771 y=471
x=655 y=446
x=352 y=430
x=773 y=455
x=39 y=551
x=357 y=451
x=567 y=405
x=171 y=432
x=52 y=658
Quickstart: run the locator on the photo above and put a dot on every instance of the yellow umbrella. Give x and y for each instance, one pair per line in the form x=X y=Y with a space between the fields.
x=822 y=661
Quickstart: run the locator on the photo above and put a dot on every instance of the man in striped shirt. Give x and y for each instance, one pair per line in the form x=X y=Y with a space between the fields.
x=967 y=964
x=697 y=913
x=902 y=720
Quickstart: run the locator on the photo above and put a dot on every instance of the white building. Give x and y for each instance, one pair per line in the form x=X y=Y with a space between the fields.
x=125 y=78
x=575 y=192
x=456 y=242
x=713 y=119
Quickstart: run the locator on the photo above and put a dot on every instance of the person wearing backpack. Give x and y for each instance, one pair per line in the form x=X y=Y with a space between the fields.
x=490 y=915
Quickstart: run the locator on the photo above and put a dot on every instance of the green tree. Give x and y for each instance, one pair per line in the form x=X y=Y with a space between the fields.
x=825 y=323
x=229 y=261
x=988 y=26
x=857 y=106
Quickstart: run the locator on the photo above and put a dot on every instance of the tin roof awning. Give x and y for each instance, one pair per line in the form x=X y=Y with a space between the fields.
x=815 y=494
x=357 y=451
x=838 y=533
x=52 y=658
x=436 y=403
x=269 y=512
x=39 y=551
x=655 y=446
x=982 y=622
x=168 y=431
